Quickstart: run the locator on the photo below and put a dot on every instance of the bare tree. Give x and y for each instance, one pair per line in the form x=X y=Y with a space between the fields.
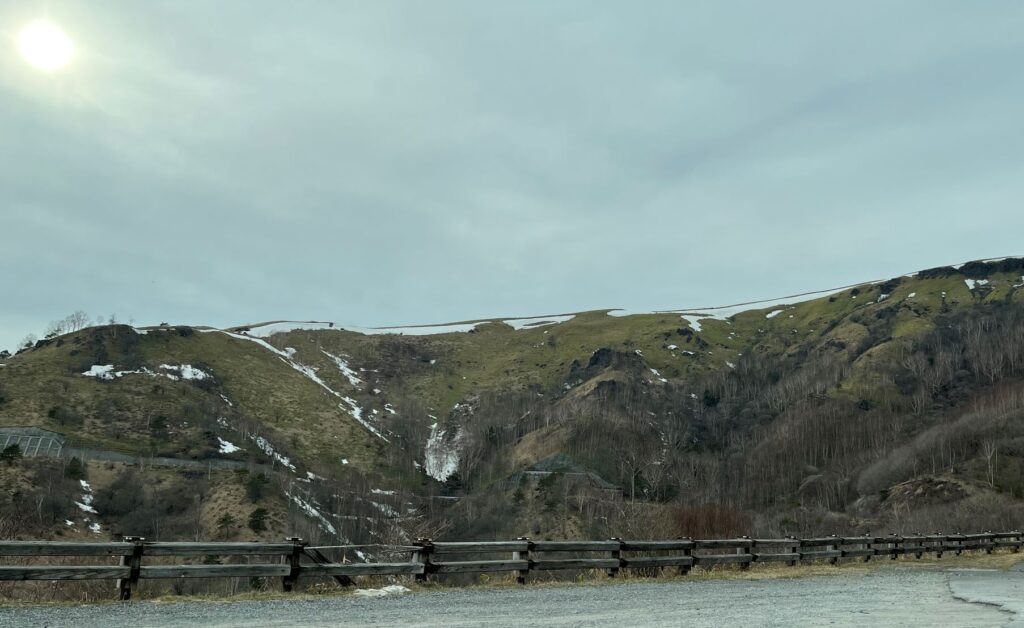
x=77 y=320
x=990 y=449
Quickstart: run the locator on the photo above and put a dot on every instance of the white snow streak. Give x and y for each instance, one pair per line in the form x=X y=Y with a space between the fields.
x=353 y=409
x=441 y=457
x=313 y=513
x=268 y=449
x=182 y=372
x=86 y=506
x=345 y=369
x=227 y=447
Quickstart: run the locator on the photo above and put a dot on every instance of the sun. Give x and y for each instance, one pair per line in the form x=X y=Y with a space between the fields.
x=45 y=46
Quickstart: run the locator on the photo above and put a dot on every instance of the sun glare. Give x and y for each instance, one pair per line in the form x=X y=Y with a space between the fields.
x=45 y=46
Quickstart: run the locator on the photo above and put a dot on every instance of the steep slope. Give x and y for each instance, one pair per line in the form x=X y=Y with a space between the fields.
x=800 y=411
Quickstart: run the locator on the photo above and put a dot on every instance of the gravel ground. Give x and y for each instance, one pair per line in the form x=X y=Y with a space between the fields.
x=891 y=597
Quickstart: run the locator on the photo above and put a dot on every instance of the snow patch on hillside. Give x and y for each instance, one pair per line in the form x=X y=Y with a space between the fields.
x=421 y=330
x=539 y=321
x=283 y=327
x=103 y=371
x=268 y=449
x=185 y=371
x=441 y=457
x=385 y=509
x=694 y=321
x=85 y=505
x=773 y=313
x=974 y=283
x=311 y=512
x=174 y=373
x=355 y=410
x=227 y=447
x=343 y=366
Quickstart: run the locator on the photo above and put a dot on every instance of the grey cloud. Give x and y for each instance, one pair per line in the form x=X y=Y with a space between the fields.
x=408 y=162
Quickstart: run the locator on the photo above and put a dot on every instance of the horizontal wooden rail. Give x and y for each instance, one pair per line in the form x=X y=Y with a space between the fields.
x=364 y=569
x=59 y=548
x=575 y=546
x=214 y=571
x=218 y=549
x=292 y=559
x=487 y=546
x=63 y=573
x=656 y=546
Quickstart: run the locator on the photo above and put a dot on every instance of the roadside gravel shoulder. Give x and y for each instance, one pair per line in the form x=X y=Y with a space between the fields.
x=904 y=593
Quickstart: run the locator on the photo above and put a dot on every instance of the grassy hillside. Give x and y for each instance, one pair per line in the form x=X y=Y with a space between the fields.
x=795 y=414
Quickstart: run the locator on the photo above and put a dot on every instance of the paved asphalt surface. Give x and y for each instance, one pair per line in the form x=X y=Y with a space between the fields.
x=888 y=597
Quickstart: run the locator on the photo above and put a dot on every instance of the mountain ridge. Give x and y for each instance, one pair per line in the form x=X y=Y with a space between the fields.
x=618 y=311
x=744 y=411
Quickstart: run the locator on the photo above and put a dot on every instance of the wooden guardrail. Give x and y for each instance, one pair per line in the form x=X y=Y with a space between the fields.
x=292 y=559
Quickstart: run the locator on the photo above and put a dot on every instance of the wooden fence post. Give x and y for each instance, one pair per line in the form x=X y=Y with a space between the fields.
x=685 y=569
x=616 y=555
x=959 y=545
x=795 y=549
x=991 y=542
x=893 y=554
x=289 y=582
x=134 y=563
x=422 y=555
x=834 y=560
x=749 y=549
x=1016 y=548
x=524 y=555
x=941 y=545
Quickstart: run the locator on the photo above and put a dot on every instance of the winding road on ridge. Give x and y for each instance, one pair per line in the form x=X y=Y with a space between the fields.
x=891 y=596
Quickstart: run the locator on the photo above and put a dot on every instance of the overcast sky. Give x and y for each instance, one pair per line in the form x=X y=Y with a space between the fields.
x=383 y=163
